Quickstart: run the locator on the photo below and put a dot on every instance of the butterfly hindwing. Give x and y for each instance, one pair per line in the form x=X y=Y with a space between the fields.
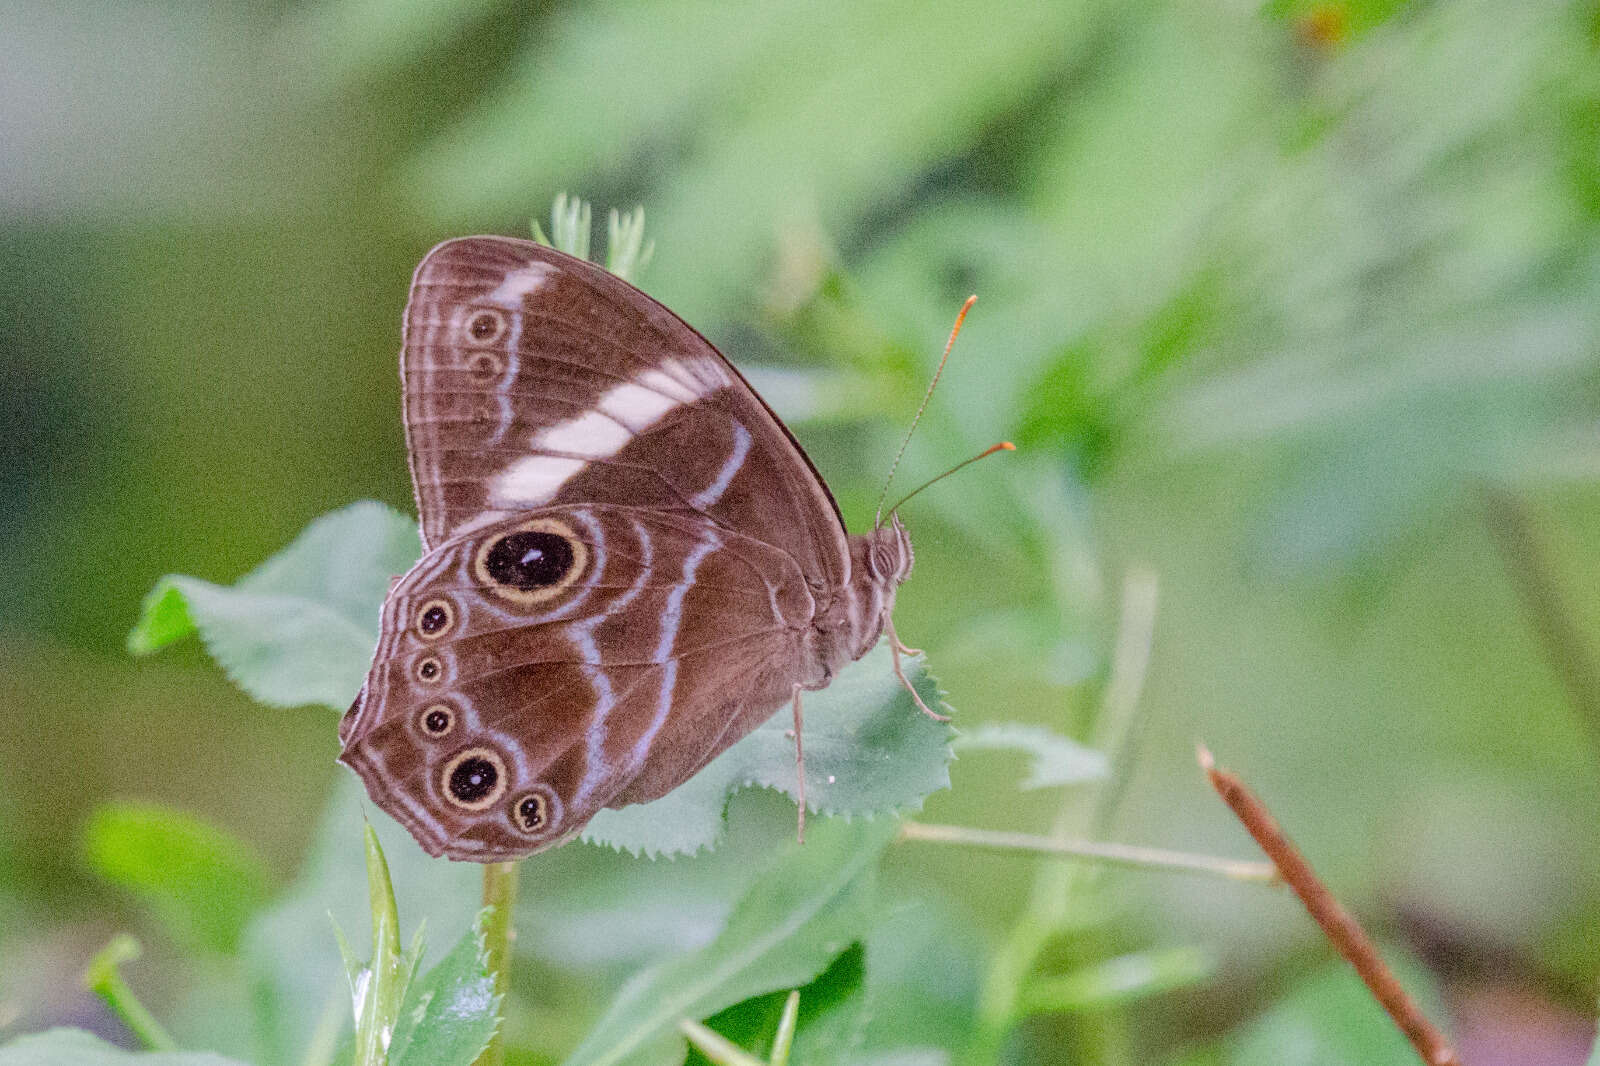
x=547 y=654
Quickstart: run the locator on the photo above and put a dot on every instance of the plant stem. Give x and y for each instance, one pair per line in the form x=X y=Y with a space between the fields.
x=1092 y=850
x=500 y=895
x=1338 y=924
x=104 y=981
x=1057 y=886
x=716 y=1047
x=390 y=971
x=783 y=1040
x=324 y=1042
x=1562 y=637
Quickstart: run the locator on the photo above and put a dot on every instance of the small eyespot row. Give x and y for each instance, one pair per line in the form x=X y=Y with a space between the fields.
x=474 y=779
x=486 y=326
x=437 y=719
x=436 y=618
x=530 y=813
x=429 y=669
x=486 y=365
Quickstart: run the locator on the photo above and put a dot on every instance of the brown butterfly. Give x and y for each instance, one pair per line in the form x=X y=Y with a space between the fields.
x=629 y=563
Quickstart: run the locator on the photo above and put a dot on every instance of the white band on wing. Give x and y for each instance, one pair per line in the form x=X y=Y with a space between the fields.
x=622 y=413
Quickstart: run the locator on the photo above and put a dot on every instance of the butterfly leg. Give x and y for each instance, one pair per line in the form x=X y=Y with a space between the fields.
x=888 y=625
x=895 y=651
x=800 y=763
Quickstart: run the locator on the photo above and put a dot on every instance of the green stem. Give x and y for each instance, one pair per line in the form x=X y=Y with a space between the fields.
x=783 y=1040
x=500 y=896
x=1093 y=850
x=104 y=981
x=380 y=1003
x=324 y=1042
x=716 y=1047
x=1529 y=568
x=1058 y=886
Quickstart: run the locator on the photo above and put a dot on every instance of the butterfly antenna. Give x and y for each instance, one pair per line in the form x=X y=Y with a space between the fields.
x=877 y=518
x=1003 y=446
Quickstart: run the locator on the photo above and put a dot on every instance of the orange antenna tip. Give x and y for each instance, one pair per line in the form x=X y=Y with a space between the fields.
x=1003 y=446
x=937 y=374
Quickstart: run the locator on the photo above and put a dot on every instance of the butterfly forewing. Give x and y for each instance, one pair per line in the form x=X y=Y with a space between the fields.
x=533 y=378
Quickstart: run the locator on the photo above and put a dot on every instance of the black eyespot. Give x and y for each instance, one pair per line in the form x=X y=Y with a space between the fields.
x=485 y=327
x=485 y=365
x=435 y=617
x=438 y=719
x=475 y=778
x=429 y=669
x=530 y=812
x=529 y=559
x=532 y=563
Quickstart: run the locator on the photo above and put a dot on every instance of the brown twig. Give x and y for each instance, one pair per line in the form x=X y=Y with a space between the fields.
x=1338 y=924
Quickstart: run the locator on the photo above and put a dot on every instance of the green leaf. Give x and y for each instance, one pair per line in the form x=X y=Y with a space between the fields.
x=378 y=990
x=596 y=911
x=795 y=115
x=293 y=962
x=202 y=882
x=1119 y=981
x=74 y=1047
x=1330 y=1019
x=925 y=960
x=795 y=919
x=301 y=627
x=832 y=1016
x=869 y=749
x=1053 y=759
x=450 y=1014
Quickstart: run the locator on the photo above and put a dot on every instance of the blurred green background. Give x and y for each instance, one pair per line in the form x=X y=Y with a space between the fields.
x=1296 y=305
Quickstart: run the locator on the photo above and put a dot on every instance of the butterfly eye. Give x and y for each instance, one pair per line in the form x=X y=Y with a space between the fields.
x=474 y=779
x=437 y=720
x=486 y=327
x=435 y=618
x=429 y=669
x=531 y=813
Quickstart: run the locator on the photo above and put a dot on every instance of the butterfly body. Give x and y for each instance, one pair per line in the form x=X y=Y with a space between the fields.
x=629 y=563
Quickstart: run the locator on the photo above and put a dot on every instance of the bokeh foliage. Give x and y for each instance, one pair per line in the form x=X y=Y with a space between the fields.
x=1274 y=296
